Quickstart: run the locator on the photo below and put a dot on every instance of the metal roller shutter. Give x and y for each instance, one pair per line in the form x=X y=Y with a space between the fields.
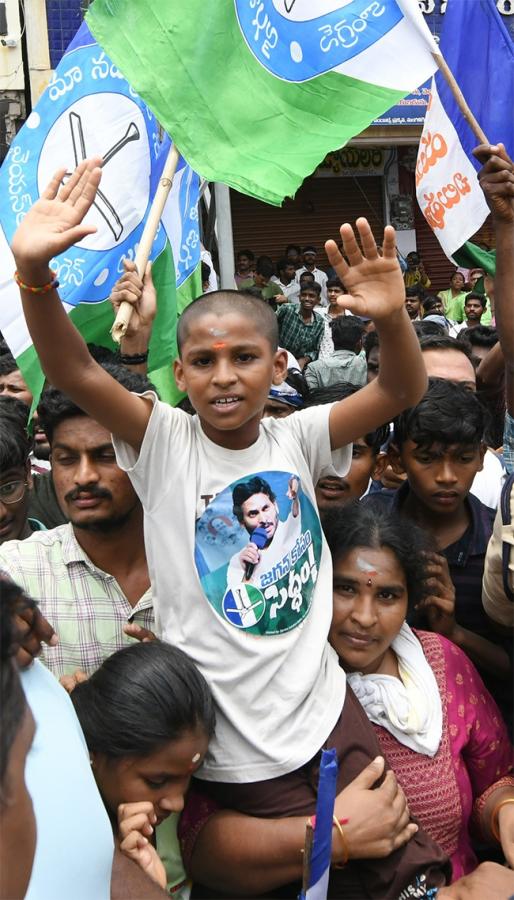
x=315 y=214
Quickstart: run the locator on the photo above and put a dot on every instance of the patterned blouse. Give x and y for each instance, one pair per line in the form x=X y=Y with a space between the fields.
x=448 y=792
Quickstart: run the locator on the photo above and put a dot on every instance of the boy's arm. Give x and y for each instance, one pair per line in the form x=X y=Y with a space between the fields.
x=376 y=289
x=497 y=182
x=55 y=223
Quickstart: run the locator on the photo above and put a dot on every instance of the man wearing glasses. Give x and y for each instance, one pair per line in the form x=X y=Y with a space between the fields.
x=15 y=477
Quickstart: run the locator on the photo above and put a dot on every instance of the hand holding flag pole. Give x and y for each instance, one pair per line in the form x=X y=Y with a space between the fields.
x=124 y=313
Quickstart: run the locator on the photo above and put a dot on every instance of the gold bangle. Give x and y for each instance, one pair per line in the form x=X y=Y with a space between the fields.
x=494 y=817
x=344 y=844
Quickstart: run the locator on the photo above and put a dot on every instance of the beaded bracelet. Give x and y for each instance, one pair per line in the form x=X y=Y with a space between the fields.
x=43 y=289
x=494 y=816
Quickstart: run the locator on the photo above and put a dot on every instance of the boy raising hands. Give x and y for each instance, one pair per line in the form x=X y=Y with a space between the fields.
x=279 y=690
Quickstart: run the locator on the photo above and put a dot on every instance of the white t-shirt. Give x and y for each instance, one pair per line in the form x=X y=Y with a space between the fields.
x=75 y=845
x=487 y=484
x=277 y=683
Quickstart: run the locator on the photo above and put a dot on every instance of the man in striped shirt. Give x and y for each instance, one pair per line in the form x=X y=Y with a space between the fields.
x=90 y=576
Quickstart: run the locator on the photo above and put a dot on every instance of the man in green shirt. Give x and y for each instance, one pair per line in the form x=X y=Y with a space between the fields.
x=269 y=290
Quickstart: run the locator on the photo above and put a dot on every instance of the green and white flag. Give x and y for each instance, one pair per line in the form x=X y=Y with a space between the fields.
x=255 y=93
x=89 y=109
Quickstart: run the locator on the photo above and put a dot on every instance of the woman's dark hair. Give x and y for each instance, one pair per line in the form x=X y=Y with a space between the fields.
x=141 y=698
x=13 y=704
x=363 y=525
x=15 y=443
x=448 y=414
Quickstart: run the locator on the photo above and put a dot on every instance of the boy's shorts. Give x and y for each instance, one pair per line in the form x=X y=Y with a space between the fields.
x=294 y=794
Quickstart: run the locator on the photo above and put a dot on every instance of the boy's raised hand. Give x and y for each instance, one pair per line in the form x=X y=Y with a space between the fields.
x=374 y=283
x=496 y=179
x=55 y=221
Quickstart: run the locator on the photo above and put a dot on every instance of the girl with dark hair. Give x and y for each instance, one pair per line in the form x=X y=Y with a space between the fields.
x=435 y=721
x=147 y=715
x=17 y=821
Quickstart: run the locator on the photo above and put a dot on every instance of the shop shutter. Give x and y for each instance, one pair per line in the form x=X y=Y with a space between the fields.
x=315 y=214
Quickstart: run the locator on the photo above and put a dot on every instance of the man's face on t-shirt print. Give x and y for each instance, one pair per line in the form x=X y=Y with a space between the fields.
x=259 y=511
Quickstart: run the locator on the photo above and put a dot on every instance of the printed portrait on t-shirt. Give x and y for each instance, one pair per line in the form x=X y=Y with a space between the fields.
x=258 y=549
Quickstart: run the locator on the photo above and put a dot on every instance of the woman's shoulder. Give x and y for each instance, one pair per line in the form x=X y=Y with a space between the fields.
x=444 y=654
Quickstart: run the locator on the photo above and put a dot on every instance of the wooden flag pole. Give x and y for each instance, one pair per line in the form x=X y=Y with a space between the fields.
x=122 y=319
x=448 y=75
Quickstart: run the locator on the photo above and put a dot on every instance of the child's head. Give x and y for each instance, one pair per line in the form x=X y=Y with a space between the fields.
x=17 y=821
x=309 y=295
x=228 y=359
x=439 y=445
x=347 y=333
x=335 y=289
x=147 y=715
x=367 y=463
x=379 y=574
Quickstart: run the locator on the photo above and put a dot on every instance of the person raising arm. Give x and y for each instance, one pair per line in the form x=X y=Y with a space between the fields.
x=375 y=285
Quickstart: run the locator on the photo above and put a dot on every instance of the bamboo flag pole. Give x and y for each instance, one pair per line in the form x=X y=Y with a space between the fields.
x=122 y=319
x=448 y=75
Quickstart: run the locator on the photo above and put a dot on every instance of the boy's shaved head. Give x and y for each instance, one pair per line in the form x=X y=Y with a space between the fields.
x=222 y=303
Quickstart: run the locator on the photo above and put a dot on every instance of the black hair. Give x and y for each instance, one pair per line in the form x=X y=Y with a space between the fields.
x=248 y=253
x=54 y=406
x=311 y=287
x=457 y=272
x=430 y=301
x=335 y=282
x=363 y=525
x=13 y=704
x=298 y=381
x=15 y=443
x=347 y=331
x=8 y=364
x=102 y=355
x=220 y=303
x=206 y=271
x=443 y=342
x=447 y=414
x=264 y=266
x=480 y=336
x=293 y=247
x=424 y=328
x=282 y=264
x=308 y=276
x=141 y=698
x=414 y=256
x=370 y=341
x=318 y=396
x=415 y=290
x=309 y=248
x=474 y=295
x=246 y=489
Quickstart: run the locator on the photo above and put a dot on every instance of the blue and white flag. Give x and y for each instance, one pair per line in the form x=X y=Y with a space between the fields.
x=322 y=844
x=89 y=109
x=480 y=53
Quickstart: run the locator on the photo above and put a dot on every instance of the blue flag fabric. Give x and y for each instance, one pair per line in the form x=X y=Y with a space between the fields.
x=480 y=53
x=88 y=109
x=322 y=844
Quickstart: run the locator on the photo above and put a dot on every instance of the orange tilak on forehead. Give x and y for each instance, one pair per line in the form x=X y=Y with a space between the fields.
x=219 y=345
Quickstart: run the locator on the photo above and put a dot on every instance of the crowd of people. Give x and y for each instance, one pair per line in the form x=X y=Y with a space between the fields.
x=314 y=549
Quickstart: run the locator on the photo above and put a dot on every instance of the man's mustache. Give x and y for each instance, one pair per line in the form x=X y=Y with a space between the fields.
x=91 y=489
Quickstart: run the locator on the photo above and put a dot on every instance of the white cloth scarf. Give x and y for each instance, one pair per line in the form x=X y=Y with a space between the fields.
x=409 y=708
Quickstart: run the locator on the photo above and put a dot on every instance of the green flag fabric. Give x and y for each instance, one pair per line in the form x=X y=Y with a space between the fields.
x=256 y=98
